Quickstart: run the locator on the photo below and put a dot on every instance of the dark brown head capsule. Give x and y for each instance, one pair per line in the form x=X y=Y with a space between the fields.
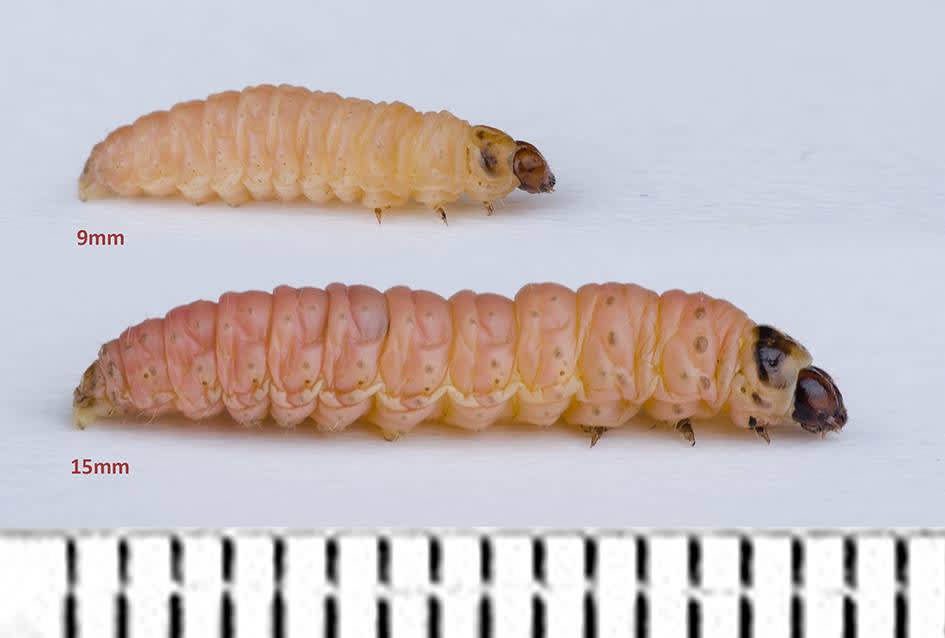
x=532 y=170
x=818 y=404
x=772 y=349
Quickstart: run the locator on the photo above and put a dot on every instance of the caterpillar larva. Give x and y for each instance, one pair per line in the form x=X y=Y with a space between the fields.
x=592 y=358
x=284 y=142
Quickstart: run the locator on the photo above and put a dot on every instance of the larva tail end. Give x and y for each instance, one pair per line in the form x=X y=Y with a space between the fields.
x=89 y=187
x=82 y=417
x=88 y=399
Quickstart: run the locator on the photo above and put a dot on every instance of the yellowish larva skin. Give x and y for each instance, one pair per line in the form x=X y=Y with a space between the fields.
x=287 y=142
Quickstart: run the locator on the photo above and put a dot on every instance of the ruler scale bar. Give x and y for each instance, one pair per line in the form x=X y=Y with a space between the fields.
x=473 y=584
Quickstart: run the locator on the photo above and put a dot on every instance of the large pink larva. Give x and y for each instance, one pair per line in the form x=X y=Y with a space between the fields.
x=594 y=358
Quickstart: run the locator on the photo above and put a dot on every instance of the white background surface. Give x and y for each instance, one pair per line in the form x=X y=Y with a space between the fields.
x=789 y=158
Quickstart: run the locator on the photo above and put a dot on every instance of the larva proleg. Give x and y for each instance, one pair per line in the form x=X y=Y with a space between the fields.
x=594 y=358
x=285 y=142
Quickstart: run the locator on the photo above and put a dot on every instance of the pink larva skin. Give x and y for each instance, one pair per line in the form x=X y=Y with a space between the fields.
x=595 y=358
x=286 y=142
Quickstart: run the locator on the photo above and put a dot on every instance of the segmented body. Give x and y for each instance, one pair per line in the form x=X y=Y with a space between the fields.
x=595 y=357
x=286 y=142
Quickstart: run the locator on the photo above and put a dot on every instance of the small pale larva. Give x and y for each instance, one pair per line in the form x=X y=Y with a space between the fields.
x=284 y=142
x=594 y=358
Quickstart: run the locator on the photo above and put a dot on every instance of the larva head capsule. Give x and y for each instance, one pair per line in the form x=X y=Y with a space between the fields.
x=532 y=170
x=783 y=386
x=818 y=404
x=498 y=164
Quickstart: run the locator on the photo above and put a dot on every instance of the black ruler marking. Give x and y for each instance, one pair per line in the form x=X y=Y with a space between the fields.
x=176 y=548
x=383 y=618
x=434 y=617
x=331 y=561
x=121 y=603
x=331 y=617
x=590 y=615
x=694 y=607
x=485 y=559
x=436 y=559
x=850 y=578
x=902 y=589
x=538 y=617
x=175 y=616
x=485 y=617
x=641 y=607
x=383 y=560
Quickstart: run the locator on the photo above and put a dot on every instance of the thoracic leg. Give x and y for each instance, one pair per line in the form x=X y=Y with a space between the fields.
x=489 y=208
x=684 y=427
x=759 y=429
x=234 y=196
x=442 y=212
x=595 y=431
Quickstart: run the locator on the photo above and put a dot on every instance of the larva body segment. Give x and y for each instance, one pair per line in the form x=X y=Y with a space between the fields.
x=190 y=336
x=483 y=359
x=594 y=358
x=296 y=352
x=357 y=325
x=285 y=142
x=618 y=353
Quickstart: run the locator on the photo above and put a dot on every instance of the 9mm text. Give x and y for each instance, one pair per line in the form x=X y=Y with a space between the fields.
x=85 y=238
